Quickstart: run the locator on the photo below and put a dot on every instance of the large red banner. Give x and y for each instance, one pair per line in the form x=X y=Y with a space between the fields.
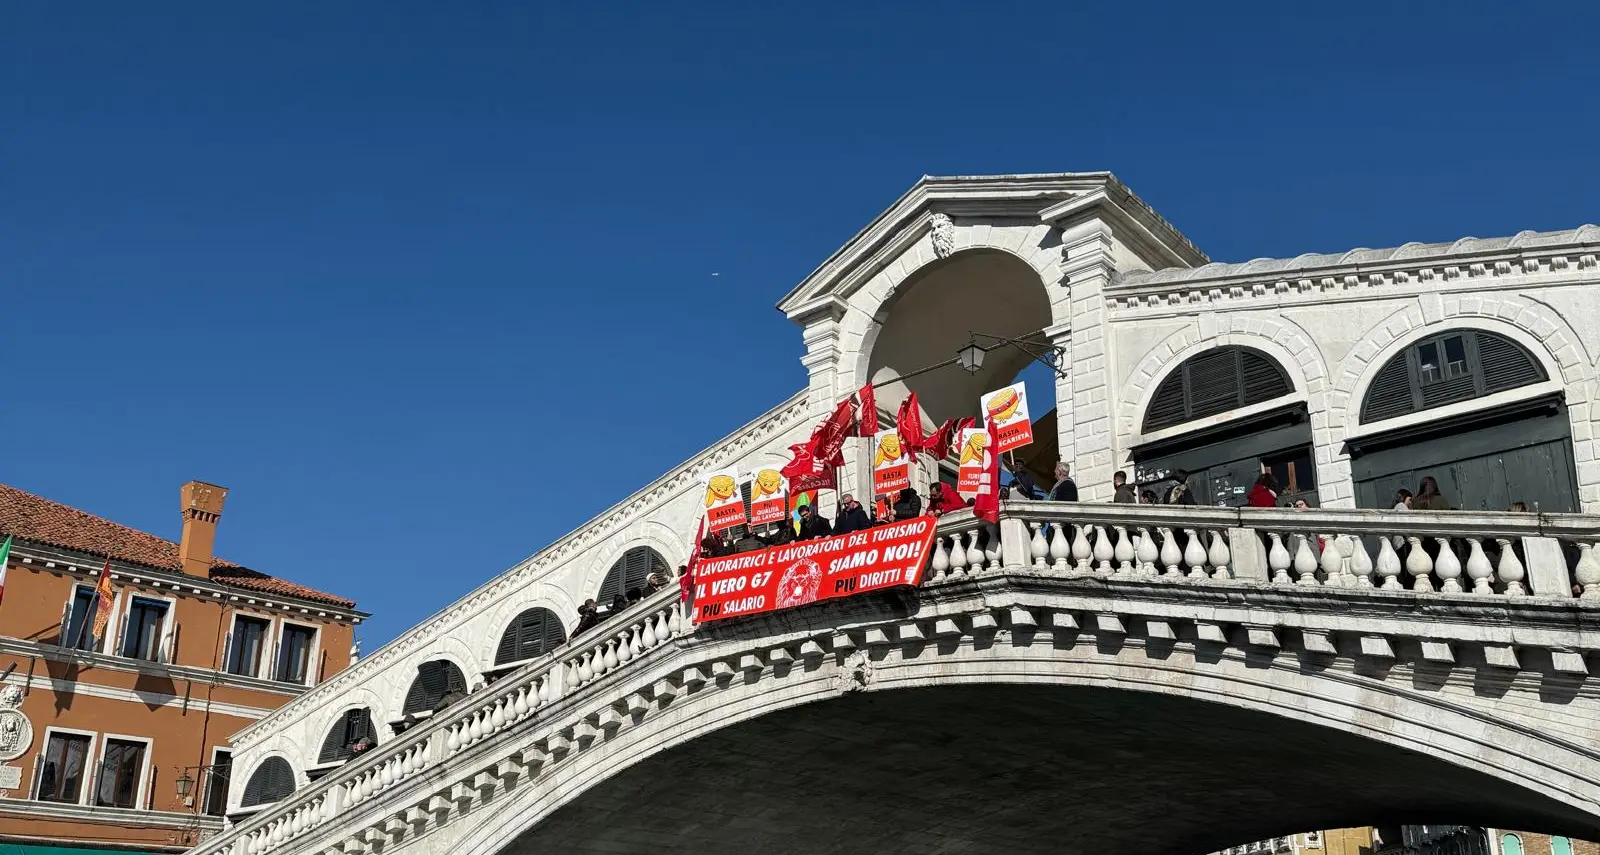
x=795 y=574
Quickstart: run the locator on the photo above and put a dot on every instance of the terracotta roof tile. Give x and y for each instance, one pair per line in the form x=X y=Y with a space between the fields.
x=34 y=518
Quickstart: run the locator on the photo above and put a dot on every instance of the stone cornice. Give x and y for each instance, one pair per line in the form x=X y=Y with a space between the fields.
x=659 y=491
x=1020 y=196
x=208 y=676
x=29 y=809
x=1469 y=263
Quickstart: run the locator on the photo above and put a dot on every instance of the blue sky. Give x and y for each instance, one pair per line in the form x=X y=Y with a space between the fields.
x=353 y=260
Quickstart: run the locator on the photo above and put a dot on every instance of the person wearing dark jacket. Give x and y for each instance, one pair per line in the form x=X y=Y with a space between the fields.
x=1180 y=494
x=852 y=517
x=1123 y=491
x=908 y=505
x=812 y=524
x=1065 y=489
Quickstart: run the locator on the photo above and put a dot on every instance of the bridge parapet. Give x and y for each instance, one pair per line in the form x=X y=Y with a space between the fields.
x=1208 y=577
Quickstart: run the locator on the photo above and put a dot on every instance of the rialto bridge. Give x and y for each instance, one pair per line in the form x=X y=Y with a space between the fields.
x=1082 y=676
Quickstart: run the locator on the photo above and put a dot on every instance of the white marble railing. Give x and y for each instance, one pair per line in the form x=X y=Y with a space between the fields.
x=1184 y=545
x=478 y=717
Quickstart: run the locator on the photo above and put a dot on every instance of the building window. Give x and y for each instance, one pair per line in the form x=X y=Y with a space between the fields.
x=217 y=782
x=1560 y=846
x=437 y=685
x=350 y=728
x=1444 y=369
x=246 y=644
x=1510 y=844
x=633 y=568
x=142 y=631
x=77 y=625
x=271 y=781
x=294 y=653
x=531 y=634
x=66 y=756
x=121 y=769
x=1213 y=382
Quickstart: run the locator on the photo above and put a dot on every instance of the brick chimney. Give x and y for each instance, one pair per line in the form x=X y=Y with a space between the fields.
x=201 y=508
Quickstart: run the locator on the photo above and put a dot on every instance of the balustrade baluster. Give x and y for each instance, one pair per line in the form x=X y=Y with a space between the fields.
x=1511 y=571
x=1447 y=567
x=647 y=636
x=1278 y=560
x=1219 y=556
x=958 y=557
x=1038 y=547
x=1103 y=552
x=498 y=720
x=974 y=554
x=1479 y=570
x=1059 y=549
x=1388 y=564
x=1586 y=571
x=675 y=620
x=1146 y=552
x=519 y=707
x=585 y=669
x=574 y=673
x=1331 y=561
x=636 y=641
x=612 y=661
x=1360 y=562
x=1194 y=554
x=1080 y=548
x=1419 y=565
x=940 y=562
x=624 y=647
x=1170 y=554
x=1305 y=563
x=1123 y=552
x=991 y=545
x=452 y=738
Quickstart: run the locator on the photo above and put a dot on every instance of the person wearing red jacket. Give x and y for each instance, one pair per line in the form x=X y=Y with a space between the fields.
x=1265 y=492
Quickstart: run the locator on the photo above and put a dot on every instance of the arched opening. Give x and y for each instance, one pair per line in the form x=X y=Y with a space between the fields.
x=438 y=684
x=348 y=729
x=629 y=572
x=531 y=634
x=1223 y=454
x=932 y=316
x=271 y=781
x=1089 y=770
x=1483 y=459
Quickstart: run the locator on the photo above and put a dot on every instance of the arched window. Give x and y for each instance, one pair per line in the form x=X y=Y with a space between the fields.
x=347 y=729
x=1510 y=844
x=530 y=635
x=1458 y=365
x=1216 y=381
x=271 y=781
x=630 y=571
x=434 y=681
x=1560 y=846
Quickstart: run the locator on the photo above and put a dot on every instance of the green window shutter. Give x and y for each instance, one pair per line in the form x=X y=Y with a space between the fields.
x=630 y=572
x=1216 y=381
x=272 y=780
x=530 y=635
x=434 y=680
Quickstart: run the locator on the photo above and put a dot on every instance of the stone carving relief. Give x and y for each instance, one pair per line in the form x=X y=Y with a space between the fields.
x=16 y=732
x=943 y=232
x=855 y=673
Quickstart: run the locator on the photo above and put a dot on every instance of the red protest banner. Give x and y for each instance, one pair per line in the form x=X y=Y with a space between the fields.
x=795 y=574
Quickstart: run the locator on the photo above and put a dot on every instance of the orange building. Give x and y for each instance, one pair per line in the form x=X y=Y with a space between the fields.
x=119 y=738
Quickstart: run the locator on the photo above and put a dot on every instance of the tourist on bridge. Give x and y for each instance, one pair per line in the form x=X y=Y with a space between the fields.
x=852 y=517
x=1428 y=497
x=588 y=616
x=1123 y=491
x=1065 y=489
x=1180 y=494
x=1402 y=500
x=1265 y=492
x=812 y=524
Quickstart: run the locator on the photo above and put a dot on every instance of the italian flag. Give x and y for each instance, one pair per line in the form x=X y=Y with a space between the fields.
x=5 y=555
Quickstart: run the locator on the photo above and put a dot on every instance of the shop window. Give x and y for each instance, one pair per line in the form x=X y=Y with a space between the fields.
x=271 y=781
x=350 y=728
x=634 y=567
x=1213 y=382
x=437 y=682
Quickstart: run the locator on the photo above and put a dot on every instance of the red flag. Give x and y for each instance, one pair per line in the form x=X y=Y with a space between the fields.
x=987 y=504
x=103 y=597
x=802 y=464
x=828 y=442
x=686 y=581
x=910 y=426
x=939 y=443
x=869 y=412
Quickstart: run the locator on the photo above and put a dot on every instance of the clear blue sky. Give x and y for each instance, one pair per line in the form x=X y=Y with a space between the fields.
x=356 y=260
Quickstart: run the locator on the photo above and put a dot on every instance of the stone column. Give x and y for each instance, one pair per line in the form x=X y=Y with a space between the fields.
x=824 y=363
x=1087 y=266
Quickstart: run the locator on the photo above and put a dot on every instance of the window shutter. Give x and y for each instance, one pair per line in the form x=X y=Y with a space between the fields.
x=531 y=634
x=1216 y=381
x=434 y=680
x=630 y=572
x=127 y=617
x=1213 y=383
x=169 y=639
x=272 y=780
x=66 y=618
x=1169 y=405
x=1506 y=365
x=1390 y=394
x=1261 y=378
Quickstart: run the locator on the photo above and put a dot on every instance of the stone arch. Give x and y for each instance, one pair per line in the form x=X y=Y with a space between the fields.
x=1488 y=748
x=356 y=697
x=534 y=596
x=449 y=649
x=297 y=772
x=656 y=535
x=862 y=323
x=1289 y=345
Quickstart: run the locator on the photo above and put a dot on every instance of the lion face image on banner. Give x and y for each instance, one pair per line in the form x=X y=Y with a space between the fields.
x=799 y=584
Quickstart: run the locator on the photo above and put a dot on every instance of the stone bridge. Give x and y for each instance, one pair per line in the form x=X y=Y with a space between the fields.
x=1078 y=678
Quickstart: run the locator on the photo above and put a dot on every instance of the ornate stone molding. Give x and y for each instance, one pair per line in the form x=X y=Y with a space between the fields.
x=943 y=233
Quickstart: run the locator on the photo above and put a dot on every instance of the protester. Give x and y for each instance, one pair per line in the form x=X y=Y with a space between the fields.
x=1065 y=489
x=588 y=616
x=1180 y=494
x=1428 y=497
x=1265 y=492
x=943 y=499
x=635 y=595
x=653 y=583
x=619 y=604
x=751 y=542
x=852 y=517
x=812 y=524
x=781 y=533
x=1022 y=488
x=1122 y=491
x=908 y=505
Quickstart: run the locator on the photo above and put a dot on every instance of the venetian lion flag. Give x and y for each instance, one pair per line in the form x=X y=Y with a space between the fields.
x=102 y=596
x=5 y=555
x=769 y=497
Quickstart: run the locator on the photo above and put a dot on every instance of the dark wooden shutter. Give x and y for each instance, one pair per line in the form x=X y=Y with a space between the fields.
x=630 y=572
x=1392 y=391
x=531 y=634
x=1260 y=378
x=1169 y=406
x=1506 y=365
x=272 y=780
x=434 y=680
x=1216 y=381
x=349 y=728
